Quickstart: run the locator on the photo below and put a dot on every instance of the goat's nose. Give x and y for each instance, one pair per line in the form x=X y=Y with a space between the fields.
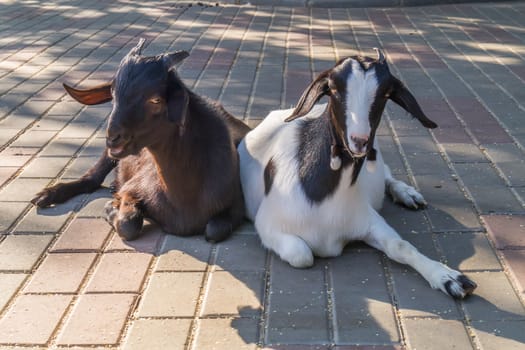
x=359 y=141
x=113 y=140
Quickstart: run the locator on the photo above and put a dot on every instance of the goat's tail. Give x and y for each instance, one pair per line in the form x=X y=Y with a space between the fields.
x=88 y=183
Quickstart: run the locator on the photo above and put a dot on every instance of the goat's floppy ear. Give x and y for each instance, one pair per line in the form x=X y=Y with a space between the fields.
x=178 y=101
x=317 y=89
x=407 y=101
x=171 y=59
x=92 y=96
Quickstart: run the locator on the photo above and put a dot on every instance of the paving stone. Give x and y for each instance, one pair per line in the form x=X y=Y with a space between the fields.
x=34 y=138
x=494 y=299
x=96 y=319
x=33 y=318
x=478 y=178
x=468 y=252
x=20 y=253
x=495 y=335
x=464 y=153
x=60 y=273
x=437 y=334
x=47 y=220
x=241 y=253
x=119 y=272
x=9 y=212
x=61 y=147
x=237 y=293
x=236 y=333
x=10 y=283
x=95 y=202
x=184 y=290
x=515 y=260
x=157 y=334
x=83 y=234
x=148 y=241
x=22 y=190
x=418 y=144
x=79 y=167
x=184 y=254
x=362 y=318
x=448 y=209
x=6 y=173
x=417 y=299
x=507 y=231
x=403 y=220
x=45 y=167
x=297 y=304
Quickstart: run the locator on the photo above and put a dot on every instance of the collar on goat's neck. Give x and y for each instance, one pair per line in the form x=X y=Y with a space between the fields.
x=339 y=147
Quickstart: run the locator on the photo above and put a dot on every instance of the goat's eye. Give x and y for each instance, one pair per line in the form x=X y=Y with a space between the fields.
x=155 y=100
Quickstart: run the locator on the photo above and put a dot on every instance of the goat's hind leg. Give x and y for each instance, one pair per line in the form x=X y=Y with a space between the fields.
x=403 y=193
x=221 y=225
x=384 y=238
x=126 y=216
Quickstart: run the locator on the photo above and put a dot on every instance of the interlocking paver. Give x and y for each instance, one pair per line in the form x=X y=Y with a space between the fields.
x=243 y=289
x=183 y=254
x=157 y=334
x=506 y=231
x=429 y=334
x=464 y=64
x=10 y=283
x=119 y=272
x=32 y=319
x=60 y=273
x=83 y=234
x=184 y=290
x=96 y=319
x=236 y=333
x=22 y=252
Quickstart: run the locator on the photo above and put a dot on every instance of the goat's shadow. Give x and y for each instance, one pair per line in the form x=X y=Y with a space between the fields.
x=348 y=300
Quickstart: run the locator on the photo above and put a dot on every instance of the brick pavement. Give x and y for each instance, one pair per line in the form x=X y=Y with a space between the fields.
x=67 y=280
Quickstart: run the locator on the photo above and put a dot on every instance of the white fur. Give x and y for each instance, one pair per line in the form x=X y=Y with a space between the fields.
x=297 y=230
x=361 y=90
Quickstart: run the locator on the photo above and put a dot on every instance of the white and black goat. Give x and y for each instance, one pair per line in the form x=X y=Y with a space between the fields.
x=176 y=153
x=313 y=184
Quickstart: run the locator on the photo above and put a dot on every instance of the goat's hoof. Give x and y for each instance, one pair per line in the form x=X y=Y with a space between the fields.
x=407 y=195
x=129 y=228
x=218 y=230
x=44 y=198
x=459 y=287
x=111 y=212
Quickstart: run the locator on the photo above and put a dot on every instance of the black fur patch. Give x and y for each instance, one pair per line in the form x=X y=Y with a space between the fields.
x=269 y=174
x=318 y=180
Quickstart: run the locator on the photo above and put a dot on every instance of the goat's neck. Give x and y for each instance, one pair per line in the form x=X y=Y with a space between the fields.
x=171 y=162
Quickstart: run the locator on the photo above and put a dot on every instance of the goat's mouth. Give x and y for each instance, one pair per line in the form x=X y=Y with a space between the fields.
x=119 y=151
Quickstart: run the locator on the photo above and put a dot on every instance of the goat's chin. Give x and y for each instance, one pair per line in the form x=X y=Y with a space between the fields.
x=120 y=152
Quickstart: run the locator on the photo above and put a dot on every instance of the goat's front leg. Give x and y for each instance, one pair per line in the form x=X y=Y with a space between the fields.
x=403 y=193
x=124 y=213
x=386 y=239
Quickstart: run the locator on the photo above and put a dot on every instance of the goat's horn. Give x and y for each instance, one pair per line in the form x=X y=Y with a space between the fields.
x=137 y=50
x=380 y=56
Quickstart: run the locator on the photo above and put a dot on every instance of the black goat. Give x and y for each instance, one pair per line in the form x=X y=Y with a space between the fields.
x=175 y=153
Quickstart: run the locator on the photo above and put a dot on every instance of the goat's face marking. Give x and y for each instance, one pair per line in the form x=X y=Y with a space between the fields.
x=358 y=88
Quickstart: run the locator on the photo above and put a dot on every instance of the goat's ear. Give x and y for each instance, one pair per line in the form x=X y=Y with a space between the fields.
x=92 y=96
x=178 y=101
x=171 y=59
x=317 y=89
x=404 y=98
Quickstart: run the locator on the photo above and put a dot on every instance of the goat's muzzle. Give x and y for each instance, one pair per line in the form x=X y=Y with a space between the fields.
x=117 y=145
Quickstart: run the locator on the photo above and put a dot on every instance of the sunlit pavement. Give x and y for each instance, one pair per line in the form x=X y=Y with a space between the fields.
x=67 y=280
